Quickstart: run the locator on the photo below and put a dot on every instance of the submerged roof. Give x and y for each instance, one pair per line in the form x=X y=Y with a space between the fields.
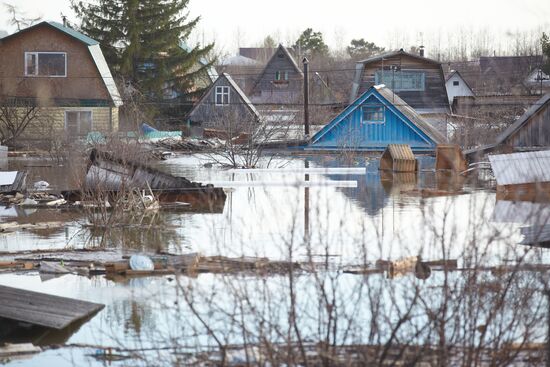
x=519 y=123
x=521 y=168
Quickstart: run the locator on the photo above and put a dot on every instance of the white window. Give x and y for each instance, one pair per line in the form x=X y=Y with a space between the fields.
x=374 y=114
x=78 y=123
x=222 y=95
x=46 y=64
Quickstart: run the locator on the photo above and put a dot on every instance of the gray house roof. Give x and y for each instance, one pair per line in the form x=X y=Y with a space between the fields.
x=521 y=168
x=396 y=53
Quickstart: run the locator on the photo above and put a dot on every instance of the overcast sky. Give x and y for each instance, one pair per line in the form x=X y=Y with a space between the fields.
x=235 y=23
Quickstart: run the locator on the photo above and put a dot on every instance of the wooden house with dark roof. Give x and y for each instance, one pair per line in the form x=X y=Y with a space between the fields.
x=417 y=80
x=378 y=118
x=63 y=72
x=223 y=103
x=280 y=82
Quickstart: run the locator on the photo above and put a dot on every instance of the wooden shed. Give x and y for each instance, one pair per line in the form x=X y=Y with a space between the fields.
x=450 y=157
x=398 y=158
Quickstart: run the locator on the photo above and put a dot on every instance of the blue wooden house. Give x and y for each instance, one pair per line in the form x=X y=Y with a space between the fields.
x=375 y=119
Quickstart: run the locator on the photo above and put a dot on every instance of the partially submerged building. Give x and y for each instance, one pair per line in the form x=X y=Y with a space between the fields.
x=62 y=72
x=223 y=105
x=522 y=176
x=377 y=118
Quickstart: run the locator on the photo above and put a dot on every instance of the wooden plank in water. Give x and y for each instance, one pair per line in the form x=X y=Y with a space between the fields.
x=43 y=309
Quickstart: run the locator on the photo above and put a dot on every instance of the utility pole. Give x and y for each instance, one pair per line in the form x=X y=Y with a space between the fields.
x=305 y=61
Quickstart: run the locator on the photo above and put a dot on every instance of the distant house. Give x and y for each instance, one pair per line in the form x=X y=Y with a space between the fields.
x=280 y=82
x=222 y=105
x=377 y=118
x=537 y=80
x=417 y=80
x=457 y=86
x=259 y=54
x=63 y=71
x=506 y=74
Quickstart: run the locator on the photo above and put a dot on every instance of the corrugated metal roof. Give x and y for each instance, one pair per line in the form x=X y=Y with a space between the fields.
x=521 y=168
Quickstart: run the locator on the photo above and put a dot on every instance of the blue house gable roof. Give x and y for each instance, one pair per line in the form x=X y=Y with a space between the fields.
x=374 y=120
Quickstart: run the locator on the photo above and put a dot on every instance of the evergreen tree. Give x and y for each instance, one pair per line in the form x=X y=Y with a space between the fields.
x=545 y=41
x=142 y=42
x=361 y=49
x=311 y=43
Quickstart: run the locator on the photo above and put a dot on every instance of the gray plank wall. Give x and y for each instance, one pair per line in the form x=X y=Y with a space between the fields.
x=266 y=90
x=535 y=133
x=433 y=97
x=210 y=115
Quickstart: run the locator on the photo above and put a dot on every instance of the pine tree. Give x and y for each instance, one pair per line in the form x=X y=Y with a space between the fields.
x=141 y=40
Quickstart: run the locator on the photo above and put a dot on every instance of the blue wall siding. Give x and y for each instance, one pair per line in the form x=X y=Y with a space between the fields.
x=353 y=133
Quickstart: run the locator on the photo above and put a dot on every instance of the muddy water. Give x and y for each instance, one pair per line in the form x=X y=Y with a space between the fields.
x=383 y=218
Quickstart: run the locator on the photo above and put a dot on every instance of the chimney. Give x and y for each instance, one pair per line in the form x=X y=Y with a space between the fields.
x=421 y=51
x=64 y=17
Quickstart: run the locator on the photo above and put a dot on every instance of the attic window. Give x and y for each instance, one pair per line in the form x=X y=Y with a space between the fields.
x=402 y=80
x=281 y=75
x=222 y=95
x=52 y=64
x=456 y=83
x=374 y=114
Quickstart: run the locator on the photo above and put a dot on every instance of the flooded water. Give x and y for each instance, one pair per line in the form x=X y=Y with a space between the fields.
x=435 y=216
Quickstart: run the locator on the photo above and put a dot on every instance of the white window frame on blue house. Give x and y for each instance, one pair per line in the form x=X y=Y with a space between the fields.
x=373 y=114
x=416 y=80
x=34 y=57
x=222 y=95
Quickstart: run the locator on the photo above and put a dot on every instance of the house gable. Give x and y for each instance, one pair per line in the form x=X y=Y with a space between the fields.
x=280 y=81
x=230 y=103
x=457 y=87
x=350 y=130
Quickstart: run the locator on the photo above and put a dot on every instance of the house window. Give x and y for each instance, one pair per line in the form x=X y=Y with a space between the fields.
x=222 y=95
x=401 y=80
x=78 y=123
x=46 y=64
x=374 y=114
x=281 y=75
x=456 y=83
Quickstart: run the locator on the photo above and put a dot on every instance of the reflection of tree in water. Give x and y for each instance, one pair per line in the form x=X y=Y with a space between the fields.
x=150 y=232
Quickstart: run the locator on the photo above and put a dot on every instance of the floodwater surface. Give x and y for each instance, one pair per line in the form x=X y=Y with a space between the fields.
x=386 y=217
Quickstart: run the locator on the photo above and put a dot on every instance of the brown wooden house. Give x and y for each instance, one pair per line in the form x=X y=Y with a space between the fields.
x=419 y=81
x=64 y=73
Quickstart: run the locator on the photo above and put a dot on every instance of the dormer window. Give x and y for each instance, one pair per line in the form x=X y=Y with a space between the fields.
x=47 y=64
x=222 y=95
x=456 y=83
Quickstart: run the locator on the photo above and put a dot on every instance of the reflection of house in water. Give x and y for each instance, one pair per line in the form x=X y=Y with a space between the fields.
x=532 y=216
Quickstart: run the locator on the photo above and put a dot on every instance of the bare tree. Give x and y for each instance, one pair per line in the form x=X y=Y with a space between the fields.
x=18 y=115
